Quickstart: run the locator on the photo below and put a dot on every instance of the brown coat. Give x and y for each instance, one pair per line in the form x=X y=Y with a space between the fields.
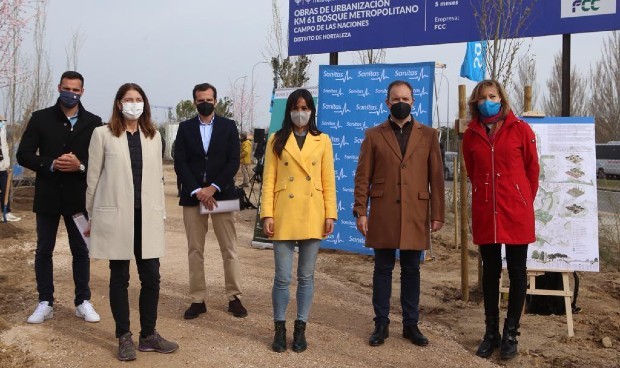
x=405 y=194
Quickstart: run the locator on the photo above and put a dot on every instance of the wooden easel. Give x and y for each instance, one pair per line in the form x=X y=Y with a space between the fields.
x=532 y=290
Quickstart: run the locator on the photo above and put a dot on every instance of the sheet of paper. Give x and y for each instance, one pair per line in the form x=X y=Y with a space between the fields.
x=82 y=224
x=222 y=206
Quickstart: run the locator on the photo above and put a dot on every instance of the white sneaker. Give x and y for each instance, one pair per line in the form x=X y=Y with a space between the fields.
x=12 y=218
x=43 y=312
x=86 y=311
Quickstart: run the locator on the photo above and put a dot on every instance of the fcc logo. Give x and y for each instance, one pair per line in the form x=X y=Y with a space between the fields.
x=585 y=8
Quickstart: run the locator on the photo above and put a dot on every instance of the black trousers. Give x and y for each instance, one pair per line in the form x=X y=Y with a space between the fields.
x=516 y=257
x=148 y=270
x=409 y=285
x=47 y=227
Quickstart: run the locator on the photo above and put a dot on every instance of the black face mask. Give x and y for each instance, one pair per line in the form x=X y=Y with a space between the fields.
x=400 y=110
x=69 y=99
x=205 y=108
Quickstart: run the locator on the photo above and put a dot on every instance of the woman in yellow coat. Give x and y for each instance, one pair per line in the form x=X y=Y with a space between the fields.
x=298 y=208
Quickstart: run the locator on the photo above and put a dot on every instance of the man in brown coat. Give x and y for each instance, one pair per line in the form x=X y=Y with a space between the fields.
x=400 y=175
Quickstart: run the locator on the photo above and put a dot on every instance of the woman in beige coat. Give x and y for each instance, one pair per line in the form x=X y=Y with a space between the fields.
x=125 y=203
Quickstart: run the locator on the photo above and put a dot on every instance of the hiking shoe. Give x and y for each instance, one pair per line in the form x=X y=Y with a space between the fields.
x=86 y=311
x=157 y=343
x=126 y=349
x=12 y=218
x=236 y=308
x=43 y=312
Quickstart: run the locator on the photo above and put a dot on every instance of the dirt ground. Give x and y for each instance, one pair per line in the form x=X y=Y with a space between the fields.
x=340 y=321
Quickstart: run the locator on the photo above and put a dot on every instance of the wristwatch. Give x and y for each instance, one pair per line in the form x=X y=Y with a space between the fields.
x=82 y=168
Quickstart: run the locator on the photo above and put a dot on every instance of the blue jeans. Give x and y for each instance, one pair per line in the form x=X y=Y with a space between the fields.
x=283 y=256
x=409 y=285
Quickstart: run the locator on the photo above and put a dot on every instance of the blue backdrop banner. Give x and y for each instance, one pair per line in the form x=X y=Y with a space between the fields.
x=352 y=99
x=321 y=26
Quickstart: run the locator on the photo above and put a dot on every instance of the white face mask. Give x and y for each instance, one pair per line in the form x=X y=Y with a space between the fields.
x=300 y=118
x=132 y=110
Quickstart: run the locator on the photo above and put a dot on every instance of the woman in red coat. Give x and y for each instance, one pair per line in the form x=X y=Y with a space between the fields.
x=502 y=165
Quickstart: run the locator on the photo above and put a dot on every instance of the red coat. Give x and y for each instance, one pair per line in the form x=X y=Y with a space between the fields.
x=504 y=177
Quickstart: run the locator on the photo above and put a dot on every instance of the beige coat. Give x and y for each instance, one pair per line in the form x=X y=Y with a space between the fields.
x=110 y=199
x=299 y=188
x=404 y=193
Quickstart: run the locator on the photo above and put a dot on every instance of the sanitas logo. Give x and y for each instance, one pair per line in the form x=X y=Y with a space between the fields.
x=373 y=75
x=334 y=239
x=340 y=174
x=332 y=124
x=412 y=74
x=340 y=142
x=337 y=75
x=584 y=8
x=417 y=111
x=420 y=92
x=333 y=91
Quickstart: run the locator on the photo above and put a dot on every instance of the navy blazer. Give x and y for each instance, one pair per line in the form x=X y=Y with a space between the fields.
x=196 y=168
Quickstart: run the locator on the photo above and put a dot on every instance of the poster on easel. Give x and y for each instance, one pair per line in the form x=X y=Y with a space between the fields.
x=566 y=207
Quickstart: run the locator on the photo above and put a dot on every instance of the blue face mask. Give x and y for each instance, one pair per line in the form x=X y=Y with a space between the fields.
x=69 y=99
x=489 y=108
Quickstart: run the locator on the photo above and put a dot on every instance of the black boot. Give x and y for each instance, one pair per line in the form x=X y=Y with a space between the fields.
x=509 y=338
x=279 y=337
x=491 y=339
x=299 y=337
x=379 y=335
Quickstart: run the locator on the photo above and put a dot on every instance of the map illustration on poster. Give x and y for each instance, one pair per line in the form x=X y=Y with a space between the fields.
x=566 y=206
x=351 y=100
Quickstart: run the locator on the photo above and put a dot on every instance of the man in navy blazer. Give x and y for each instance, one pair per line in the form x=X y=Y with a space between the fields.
x=206 y=159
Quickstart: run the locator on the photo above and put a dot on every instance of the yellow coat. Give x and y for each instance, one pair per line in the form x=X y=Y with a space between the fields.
x=299 y=188
x=246 y=152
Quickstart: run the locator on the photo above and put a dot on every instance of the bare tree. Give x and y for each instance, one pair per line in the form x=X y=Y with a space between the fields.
x=30 y=77
x=242 y=101
x=12 y=21
x=290 y=71
x=371 y=56
x=501 y=23
x=526 y=76
x=72 y=51
x=552 y=102
x=605 y=85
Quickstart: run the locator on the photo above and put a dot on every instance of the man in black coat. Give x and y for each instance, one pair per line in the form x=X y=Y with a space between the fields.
x=55 y=146
x=206 y=159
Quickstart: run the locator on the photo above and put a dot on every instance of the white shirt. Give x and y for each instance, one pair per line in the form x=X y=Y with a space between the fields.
x=206 y=130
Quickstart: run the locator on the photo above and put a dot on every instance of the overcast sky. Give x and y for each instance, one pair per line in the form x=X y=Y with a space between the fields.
x=169 y=46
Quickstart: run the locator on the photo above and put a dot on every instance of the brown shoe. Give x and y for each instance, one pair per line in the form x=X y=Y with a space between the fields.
x=157 y=343
x=126 y=349
x=236 y=308
x=195 y=310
